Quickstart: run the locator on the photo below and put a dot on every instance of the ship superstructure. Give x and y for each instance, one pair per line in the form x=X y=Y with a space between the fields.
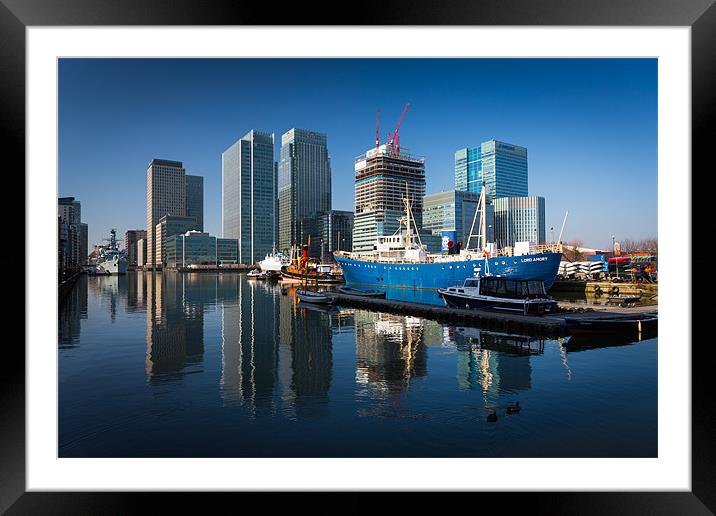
x=111 y=259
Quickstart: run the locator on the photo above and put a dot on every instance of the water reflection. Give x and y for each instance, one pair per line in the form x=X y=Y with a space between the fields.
x=390 y=352
x=72 y=310
x=249 y=343
x=194 y=360
x=494 y=362
x=175 y=324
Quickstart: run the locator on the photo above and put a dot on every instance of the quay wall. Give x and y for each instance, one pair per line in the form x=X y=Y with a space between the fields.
x=589 y=287
x=65 y=287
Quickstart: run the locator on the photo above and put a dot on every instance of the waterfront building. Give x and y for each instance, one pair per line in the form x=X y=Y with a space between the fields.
x=195 y=199
x=453 y=212
x=248 y=195
x=166 y=195
x=142 y=251
x=168 y=226
x=382 y=180
x=72 y=233
x=304 y=185
x=502 y=166
x=131 y=238
x=335 y=230
x=519 y=219
x=198 y=248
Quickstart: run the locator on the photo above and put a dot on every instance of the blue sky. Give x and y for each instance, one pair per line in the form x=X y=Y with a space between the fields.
x=589 y=125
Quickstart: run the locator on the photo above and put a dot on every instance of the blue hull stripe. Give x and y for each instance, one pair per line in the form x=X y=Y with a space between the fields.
x=448 y=274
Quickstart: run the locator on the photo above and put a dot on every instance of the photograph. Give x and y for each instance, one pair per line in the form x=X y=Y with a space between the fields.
x=395 y=257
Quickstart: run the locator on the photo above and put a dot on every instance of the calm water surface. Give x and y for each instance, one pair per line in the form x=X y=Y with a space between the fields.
x=215 y=365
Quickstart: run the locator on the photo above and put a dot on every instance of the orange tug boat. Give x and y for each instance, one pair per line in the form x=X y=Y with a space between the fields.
x=304 y=270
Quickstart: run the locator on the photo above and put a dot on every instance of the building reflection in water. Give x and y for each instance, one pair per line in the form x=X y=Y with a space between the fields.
x=493 y=362
x=307 y=342
x=72 y=310
x=390 y=352
x=175 y=323
x=249 y=315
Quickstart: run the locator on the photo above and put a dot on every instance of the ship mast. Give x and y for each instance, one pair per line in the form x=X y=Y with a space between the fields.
x=482 y=237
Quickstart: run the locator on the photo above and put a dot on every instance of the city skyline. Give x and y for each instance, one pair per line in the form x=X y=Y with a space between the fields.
x=589 y=126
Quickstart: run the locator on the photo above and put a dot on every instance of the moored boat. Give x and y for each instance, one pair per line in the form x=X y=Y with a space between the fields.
x=256 y=274
x=274 y=261
x=302 y=270
x=111 y=259
x=401 y=260
x=495 y=293
x=314 y=297
x=362 y=293
x=629 y=323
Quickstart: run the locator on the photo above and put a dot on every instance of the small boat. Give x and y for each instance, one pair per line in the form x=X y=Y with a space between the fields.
x=496 y=293
x=632 y=323
x=362 y=293
x=314 y=297
x=257 y=275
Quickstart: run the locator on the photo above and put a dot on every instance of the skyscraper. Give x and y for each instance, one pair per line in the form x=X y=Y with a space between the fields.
x=166 y=195
x=335 y=231
x=519 y=219
x=454 y=210
x=304 y=184
x=73 y=232
x=248 y=195
x=131 y=237
x=382 y=180
x=502 y=166
x=195 y=199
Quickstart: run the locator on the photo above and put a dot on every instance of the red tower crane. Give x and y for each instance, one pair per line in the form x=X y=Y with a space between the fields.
x=394 y=139
x=377 y=129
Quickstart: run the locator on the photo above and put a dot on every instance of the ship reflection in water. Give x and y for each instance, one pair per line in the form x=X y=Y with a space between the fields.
x=213 y=365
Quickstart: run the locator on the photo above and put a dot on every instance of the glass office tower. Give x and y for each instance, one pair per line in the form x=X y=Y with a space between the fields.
x=519 y=219
x=304 y=185
x=195 y=199
x=503 y=167
x=248 y=193
x=454 y=210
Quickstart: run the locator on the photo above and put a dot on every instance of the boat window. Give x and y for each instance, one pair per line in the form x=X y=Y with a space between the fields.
x=502 y=288
x=470 y=283
x=487 y=287
x=522 y=289
x=536 y=287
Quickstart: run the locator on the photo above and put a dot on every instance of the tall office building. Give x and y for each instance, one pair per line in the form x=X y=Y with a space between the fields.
x=73 y=233
x=382 y=180
x=195 y=199
x=304 y=184
x=335 y=231
x=454 y=211
x=131 y=238
x=248 y=195
x=519 y=219
x=166 y=195
x=502 y=166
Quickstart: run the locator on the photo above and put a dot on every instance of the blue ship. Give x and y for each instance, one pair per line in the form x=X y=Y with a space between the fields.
x=443 y=274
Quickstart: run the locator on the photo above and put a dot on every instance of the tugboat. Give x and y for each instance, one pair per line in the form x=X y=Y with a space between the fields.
x=303 y=270
x=491 y=292
x=111 y=260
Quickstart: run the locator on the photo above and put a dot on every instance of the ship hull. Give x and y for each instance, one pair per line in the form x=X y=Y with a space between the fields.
x=113 y=267
x=543 y=266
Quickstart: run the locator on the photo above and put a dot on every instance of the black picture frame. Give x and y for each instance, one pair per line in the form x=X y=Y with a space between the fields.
x=16 y=15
